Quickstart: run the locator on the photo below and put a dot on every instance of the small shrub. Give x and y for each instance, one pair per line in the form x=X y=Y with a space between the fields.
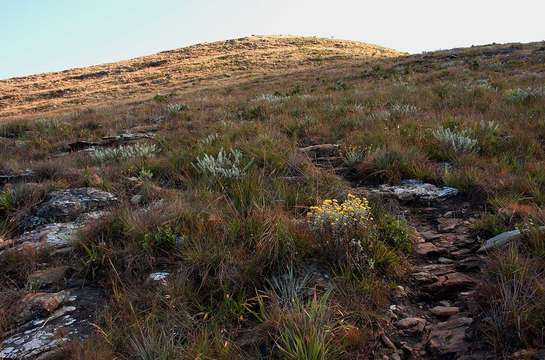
x=174 y=109
x=459 y=142
x=520 y=95
x=228 y=165
x=353 y=155
x=271 y=98
x=163 y=237
x=123 y=152
x=343 y=229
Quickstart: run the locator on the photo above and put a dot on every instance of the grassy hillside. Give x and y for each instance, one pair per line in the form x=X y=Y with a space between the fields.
x=205 y=65
x=259 y=203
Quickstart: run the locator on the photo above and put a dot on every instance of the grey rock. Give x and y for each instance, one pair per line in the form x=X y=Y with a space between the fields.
x=158 y=276
x=16 y=176
x=66 y=205
x=502 y=239
x=66 y=320
x=415 y=190
x=55 y=236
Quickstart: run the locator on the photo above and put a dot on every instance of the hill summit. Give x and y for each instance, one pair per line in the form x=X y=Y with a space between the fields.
x=197 y=66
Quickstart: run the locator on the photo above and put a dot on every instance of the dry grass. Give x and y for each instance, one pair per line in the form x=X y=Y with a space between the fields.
x=227 y=239
x=224 y=63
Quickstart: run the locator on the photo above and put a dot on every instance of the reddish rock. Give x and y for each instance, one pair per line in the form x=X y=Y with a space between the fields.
x=424 y=277
x=448 y=338
x=449 y=284
x=412 y=322
x=426 y=249
x=444 y=311
x=48 y=277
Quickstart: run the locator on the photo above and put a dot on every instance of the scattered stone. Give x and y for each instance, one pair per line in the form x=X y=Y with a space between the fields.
x=48 y=277
x=449 y=285
x=430 y=235
x=502 y=239
x=158 y=276
x=427 y=249
x=443 y=260
x=448 y=338
x=415 y=190
x=39 y=303
x=470 y=264
x=322 y=149
x=126 y=137
x=413 y=322
x=424 y=277
x=448 y=224
x=444 y=311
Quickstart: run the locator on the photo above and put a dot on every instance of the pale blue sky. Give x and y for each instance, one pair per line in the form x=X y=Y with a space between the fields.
x=47 y=35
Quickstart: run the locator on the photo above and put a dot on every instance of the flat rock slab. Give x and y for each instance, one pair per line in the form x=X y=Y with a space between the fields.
x=55 y=236
x=24 y=175
x=66 y=205
x=444 y=311
x=427 y=249
x=415 y=190
x=449 y=338
x=447 y=286
x=67 y=318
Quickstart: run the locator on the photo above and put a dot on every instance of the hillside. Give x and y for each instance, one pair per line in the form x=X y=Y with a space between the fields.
x=204 y=65
x=370 y=205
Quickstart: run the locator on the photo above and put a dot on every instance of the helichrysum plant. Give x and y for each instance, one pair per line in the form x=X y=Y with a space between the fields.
x=353 y=213
x=344 y=228
x=226 y=164
x=458 y=141
x=123 y=152
x=520 y=95
x=174 y=109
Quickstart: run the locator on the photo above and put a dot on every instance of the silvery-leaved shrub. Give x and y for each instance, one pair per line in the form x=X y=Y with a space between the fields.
x=123 y=152
x=403 y=109
x=226 y=164
x=458 y=141
x=489 y=127
x=174 y=109
x=271 y=98
x=210 y=139
x=520 y=95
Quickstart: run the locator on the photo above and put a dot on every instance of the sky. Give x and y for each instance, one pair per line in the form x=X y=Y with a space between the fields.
x=49 y=35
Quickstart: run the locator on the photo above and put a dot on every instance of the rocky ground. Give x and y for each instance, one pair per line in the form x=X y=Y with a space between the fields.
x=431 y=315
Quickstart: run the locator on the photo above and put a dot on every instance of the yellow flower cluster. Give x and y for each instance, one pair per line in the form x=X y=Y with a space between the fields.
x=353 y=212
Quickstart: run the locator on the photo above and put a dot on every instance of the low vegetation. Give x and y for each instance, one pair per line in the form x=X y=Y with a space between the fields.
x=269 y=254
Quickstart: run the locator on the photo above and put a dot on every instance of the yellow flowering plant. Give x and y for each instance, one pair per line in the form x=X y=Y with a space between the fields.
x=353 y=213
x=344 y=227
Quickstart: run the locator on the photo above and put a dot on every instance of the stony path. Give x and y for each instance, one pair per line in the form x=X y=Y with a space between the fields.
x=430 y=316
